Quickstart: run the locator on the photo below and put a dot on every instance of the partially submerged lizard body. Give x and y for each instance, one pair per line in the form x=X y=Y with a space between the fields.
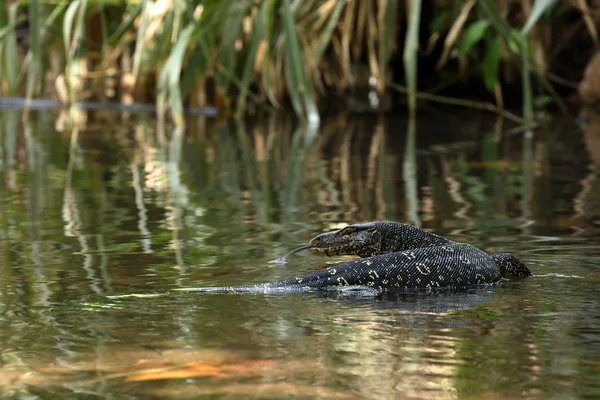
x=395 y=256
x=382 y=237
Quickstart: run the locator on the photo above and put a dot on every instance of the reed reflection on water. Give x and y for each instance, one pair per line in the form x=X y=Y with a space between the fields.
x=123 y=206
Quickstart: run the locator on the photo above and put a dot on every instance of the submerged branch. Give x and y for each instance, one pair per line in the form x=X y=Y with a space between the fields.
x=460 y=102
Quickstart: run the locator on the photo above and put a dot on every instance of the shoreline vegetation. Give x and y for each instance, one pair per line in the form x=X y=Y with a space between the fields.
x=241 y=57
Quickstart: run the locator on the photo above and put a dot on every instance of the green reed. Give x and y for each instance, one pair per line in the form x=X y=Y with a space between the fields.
x=232 y=53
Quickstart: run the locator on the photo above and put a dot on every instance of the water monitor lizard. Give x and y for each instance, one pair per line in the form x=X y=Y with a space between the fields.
x=395 y=256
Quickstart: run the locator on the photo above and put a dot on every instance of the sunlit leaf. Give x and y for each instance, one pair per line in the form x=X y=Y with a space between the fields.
x=472 y=35
x=491 y=64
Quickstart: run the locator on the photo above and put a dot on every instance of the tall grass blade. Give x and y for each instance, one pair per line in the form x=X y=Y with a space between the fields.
x=410 y=53
x=539 y=8
x=125 y=25
x=324 y=39
x=163 y=42
x=73 y=25
x=491 y=64
x=252 y=48
x=56 y=12
x=454 y=32
x=178 y=7
x=3 y=13
x=490 y=9
x=299 y=86
x=229 y=35
x=291 y=65
x=526 y=78
x=35 y=50
x=9 y=27
x=9 y=56
x=195 y=66
x=472 y=35
x=519 y=43
x=80 y=24
x=386 y=32
x=139 y=43
x=173 y=71
x=68 y=23
x=269 y=43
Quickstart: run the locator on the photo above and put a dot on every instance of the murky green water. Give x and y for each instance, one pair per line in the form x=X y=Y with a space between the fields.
x=120 y=208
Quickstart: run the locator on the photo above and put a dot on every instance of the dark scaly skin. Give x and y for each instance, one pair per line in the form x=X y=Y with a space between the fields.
x=456 y=265
x=374 y=238
x=381 y=237
x=510 y=266
x=395 y=256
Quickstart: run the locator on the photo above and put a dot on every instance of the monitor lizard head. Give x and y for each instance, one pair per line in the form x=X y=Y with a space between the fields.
x=374 y=238
x=363 y=240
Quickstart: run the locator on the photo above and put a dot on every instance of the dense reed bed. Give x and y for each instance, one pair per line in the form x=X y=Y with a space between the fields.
x=243 y=55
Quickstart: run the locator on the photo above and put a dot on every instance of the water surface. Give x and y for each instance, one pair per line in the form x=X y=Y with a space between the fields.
x=100 y=225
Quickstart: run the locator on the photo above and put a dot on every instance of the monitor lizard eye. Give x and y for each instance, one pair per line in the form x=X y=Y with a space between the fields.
x=348 y=230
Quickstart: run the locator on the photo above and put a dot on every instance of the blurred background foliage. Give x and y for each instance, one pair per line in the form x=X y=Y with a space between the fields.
x=242 y=56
